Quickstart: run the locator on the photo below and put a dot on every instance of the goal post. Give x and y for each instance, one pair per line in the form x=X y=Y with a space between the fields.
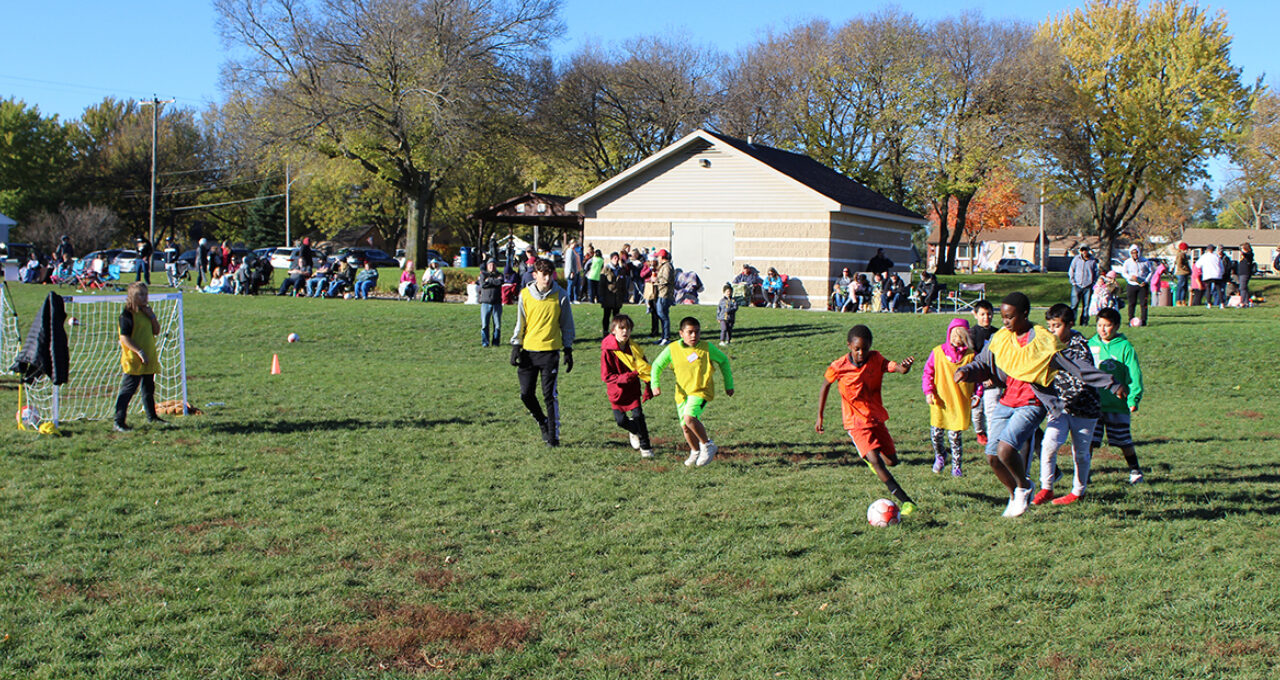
x=93 y=343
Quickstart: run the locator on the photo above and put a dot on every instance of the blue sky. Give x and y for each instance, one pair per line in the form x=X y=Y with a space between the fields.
x=63 y=56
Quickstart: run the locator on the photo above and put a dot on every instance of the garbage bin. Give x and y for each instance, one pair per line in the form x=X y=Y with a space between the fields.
x=1165 y=298
x=464 y=255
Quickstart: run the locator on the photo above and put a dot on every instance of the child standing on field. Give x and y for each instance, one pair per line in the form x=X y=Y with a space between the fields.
x=626 y=375
x=988 y=393
x=1114 y=354
x=950 y=403
x=859 y=374
x=691 y=359
x=138 y=358
x=726 y=313
x=1079 y=412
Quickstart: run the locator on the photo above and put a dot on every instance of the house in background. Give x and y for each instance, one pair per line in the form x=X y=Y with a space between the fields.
x=360 y=237
x=1265 y=243
x=6 y=223
x=718 y=203
x=992 y=246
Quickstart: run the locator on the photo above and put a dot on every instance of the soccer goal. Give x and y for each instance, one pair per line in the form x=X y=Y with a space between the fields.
x=10 y=343
x=93 y=343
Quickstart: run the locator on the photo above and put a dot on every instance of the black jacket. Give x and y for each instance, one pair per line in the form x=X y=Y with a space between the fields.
x=490 y=287
x=45 y=351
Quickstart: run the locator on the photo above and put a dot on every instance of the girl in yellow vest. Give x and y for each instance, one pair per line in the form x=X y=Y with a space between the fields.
x=949 y=402
x=138 y=358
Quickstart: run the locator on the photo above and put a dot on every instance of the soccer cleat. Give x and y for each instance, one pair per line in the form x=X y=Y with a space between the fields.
x=982 y=438
x=121 y=427
x=1135 y=477
x=907 y=508
x=646 y=453
x=1067 y=499
x=939 y=461
x=956 y=471
x=635 y=441
x=707 y=452
x=693 y=458
x=1042 y=497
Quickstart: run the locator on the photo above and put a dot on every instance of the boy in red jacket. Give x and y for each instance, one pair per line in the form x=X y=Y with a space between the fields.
x=625 y=373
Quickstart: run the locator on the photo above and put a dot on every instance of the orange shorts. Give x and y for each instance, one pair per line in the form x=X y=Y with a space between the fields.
x=874 y=437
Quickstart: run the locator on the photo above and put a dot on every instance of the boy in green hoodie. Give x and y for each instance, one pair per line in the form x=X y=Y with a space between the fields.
x=1114 y=354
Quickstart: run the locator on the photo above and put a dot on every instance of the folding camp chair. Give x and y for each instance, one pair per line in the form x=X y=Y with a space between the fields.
x=975 y=291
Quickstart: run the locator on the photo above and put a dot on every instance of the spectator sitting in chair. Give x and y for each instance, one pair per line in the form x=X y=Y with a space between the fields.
x=842 y=294
x=366 y=281
x=433 y=283
x=299 y=272
x=861 y=292
x=928 y=291
x=408 y=281
x=688 y=285
x=891 y=293
x=342 y=278
x=772 y=288
x=319 y=281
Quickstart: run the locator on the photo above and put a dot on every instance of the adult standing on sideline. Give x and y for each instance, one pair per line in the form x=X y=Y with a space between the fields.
x=143 y=270
x=1245 y=268
x=880 y=263
x=1137 y=273
x=573 y=270
x=664 y=278
x=1211 y=275
x=1181 y=270
x=490 y=283
x=202 y=261
x=171 y=262
x=1083 y=273
x=614 y=284
x=64 y=248
x=593 y=266
x=544 y=327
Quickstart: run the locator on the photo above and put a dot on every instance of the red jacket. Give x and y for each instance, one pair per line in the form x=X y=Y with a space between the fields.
x=625 y=373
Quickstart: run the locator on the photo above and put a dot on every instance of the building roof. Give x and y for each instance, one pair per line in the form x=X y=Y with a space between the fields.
x=1231 y=238
x=531 y=208
x=850 y=194
x=6 y=221
x=1005 y=235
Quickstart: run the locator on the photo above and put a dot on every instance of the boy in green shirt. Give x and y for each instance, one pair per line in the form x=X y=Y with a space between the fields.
x=691 y=359
x=1114 y=354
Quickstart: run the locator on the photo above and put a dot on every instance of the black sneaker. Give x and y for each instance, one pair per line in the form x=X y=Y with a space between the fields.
x=121 y=427
x=158 y=422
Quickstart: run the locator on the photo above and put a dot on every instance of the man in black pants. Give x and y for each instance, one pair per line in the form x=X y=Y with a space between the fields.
x=544 y=326
x=143 y=271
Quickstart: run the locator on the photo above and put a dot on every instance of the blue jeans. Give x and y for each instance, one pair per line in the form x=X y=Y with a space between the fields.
x=363 y=287
x=1081 y=296
x=663 y=306
x=841 y=301
x=1180 y=290
x=1217 y=291
x=315 y=284
x=335 y=287
x=1013 y=426
x=490 y=323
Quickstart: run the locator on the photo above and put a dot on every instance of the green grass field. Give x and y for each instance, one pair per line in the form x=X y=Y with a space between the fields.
x=385 y=508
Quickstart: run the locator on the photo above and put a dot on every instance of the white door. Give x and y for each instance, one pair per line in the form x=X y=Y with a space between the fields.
x=707 y=248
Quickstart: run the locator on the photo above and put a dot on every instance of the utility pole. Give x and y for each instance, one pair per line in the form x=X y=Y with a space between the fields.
x=155 y=115
x=287 y=183
x=1044 y=263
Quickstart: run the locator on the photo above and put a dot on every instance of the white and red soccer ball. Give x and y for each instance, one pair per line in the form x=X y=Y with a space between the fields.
x=293 y=337
x=28 y=417
x=883 y=513
x=1135 y=322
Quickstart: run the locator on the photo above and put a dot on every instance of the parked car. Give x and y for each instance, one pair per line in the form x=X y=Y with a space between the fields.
x=1014 y=265
x=357 y=256
x=433 y=255
x=189 y=258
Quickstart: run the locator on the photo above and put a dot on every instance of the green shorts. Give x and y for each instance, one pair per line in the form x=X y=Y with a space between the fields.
x=691 y=406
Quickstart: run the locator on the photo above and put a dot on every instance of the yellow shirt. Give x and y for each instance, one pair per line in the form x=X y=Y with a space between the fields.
x=541 y=321
x=692 y=366
x=954 y=397
x=146 y=341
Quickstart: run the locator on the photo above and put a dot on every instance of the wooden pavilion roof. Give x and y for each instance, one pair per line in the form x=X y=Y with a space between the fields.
x=532 y=209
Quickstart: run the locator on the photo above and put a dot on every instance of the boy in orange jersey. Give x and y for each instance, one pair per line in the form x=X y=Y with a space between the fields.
x=859 y=374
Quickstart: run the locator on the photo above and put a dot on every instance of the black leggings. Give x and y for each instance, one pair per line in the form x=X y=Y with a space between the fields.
x=609 y=313
x=128 y=386
x=633 y=421
x=546 y=365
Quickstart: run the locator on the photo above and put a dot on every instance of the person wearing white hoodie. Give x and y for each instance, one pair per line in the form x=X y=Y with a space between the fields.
x=1211 y=275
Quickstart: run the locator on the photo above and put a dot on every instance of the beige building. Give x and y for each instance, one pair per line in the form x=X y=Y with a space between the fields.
x=718 y=203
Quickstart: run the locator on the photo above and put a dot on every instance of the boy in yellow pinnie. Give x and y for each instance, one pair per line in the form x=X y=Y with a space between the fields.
x=691 y=359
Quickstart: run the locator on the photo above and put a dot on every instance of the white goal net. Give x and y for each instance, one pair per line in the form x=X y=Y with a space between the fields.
x=93 y=343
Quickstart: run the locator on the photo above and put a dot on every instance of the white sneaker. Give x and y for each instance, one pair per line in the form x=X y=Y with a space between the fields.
x=646 y=453
x=1135 y=477
x=707 y=452
x=1008 y=509
x=1018 y=504
x=635 y=441
x=693 y=458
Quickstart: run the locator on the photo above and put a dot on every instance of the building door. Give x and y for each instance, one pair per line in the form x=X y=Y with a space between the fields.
x=706 y=248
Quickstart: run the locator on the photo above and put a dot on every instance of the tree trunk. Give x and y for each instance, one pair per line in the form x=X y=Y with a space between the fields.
x=940 y=265
x=953 y=245
x=418 y=220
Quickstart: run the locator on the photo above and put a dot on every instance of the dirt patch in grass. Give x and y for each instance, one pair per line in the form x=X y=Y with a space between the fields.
x=279 y=450
x=182 y=441
x=1092 y=581
x=422 y=637
x=641 y=468
x=437 y=579
x=1245 y=413
x=1108 y=454
x=55 y=589
x=1062 y=665
x=1226 y=649
x=200 y=528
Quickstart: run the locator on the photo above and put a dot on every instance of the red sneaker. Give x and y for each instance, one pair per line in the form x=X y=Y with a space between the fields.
x=1066 y=500
x=982 y=438
x=1042 y=496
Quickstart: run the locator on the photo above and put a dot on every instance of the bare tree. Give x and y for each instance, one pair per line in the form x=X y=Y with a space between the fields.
x=90 y=227
x=397 y=86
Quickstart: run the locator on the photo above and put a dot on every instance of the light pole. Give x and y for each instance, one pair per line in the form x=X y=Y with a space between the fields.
x=288 y=234
x=155 y=114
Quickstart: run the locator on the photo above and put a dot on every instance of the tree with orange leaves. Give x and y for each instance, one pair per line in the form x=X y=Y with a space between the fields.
x=996 y=205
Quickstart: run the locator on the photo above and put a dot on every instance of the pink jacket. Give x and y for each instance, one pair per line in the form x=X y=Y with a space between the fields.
x=953 y=353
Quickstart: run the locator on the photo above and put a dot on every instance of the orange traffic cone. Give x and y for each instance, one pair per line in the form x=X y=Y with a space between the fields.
x=275 y=364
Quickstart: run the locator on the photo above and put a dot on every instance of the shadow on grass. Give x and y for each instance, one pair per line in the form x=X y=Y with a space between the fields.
x=780 y=332
x=329 y=425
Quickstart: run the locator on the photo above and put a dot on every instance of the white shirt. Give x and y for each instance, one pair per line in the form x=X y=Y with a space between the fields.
x=1210 y=266
x=433 y=274
x=1137 y=272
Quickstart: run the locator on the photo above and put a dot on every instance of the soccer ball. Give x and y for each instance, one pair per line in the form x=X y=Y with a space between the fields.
x=28 y=418
x=293 y=337
x=346 y=296
x=883 y=513
x=1135 y=322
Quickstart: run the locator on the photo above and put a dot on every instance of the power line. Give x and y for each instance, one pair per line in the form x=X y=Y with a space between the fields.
x=92 y=88
x=218 y=205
